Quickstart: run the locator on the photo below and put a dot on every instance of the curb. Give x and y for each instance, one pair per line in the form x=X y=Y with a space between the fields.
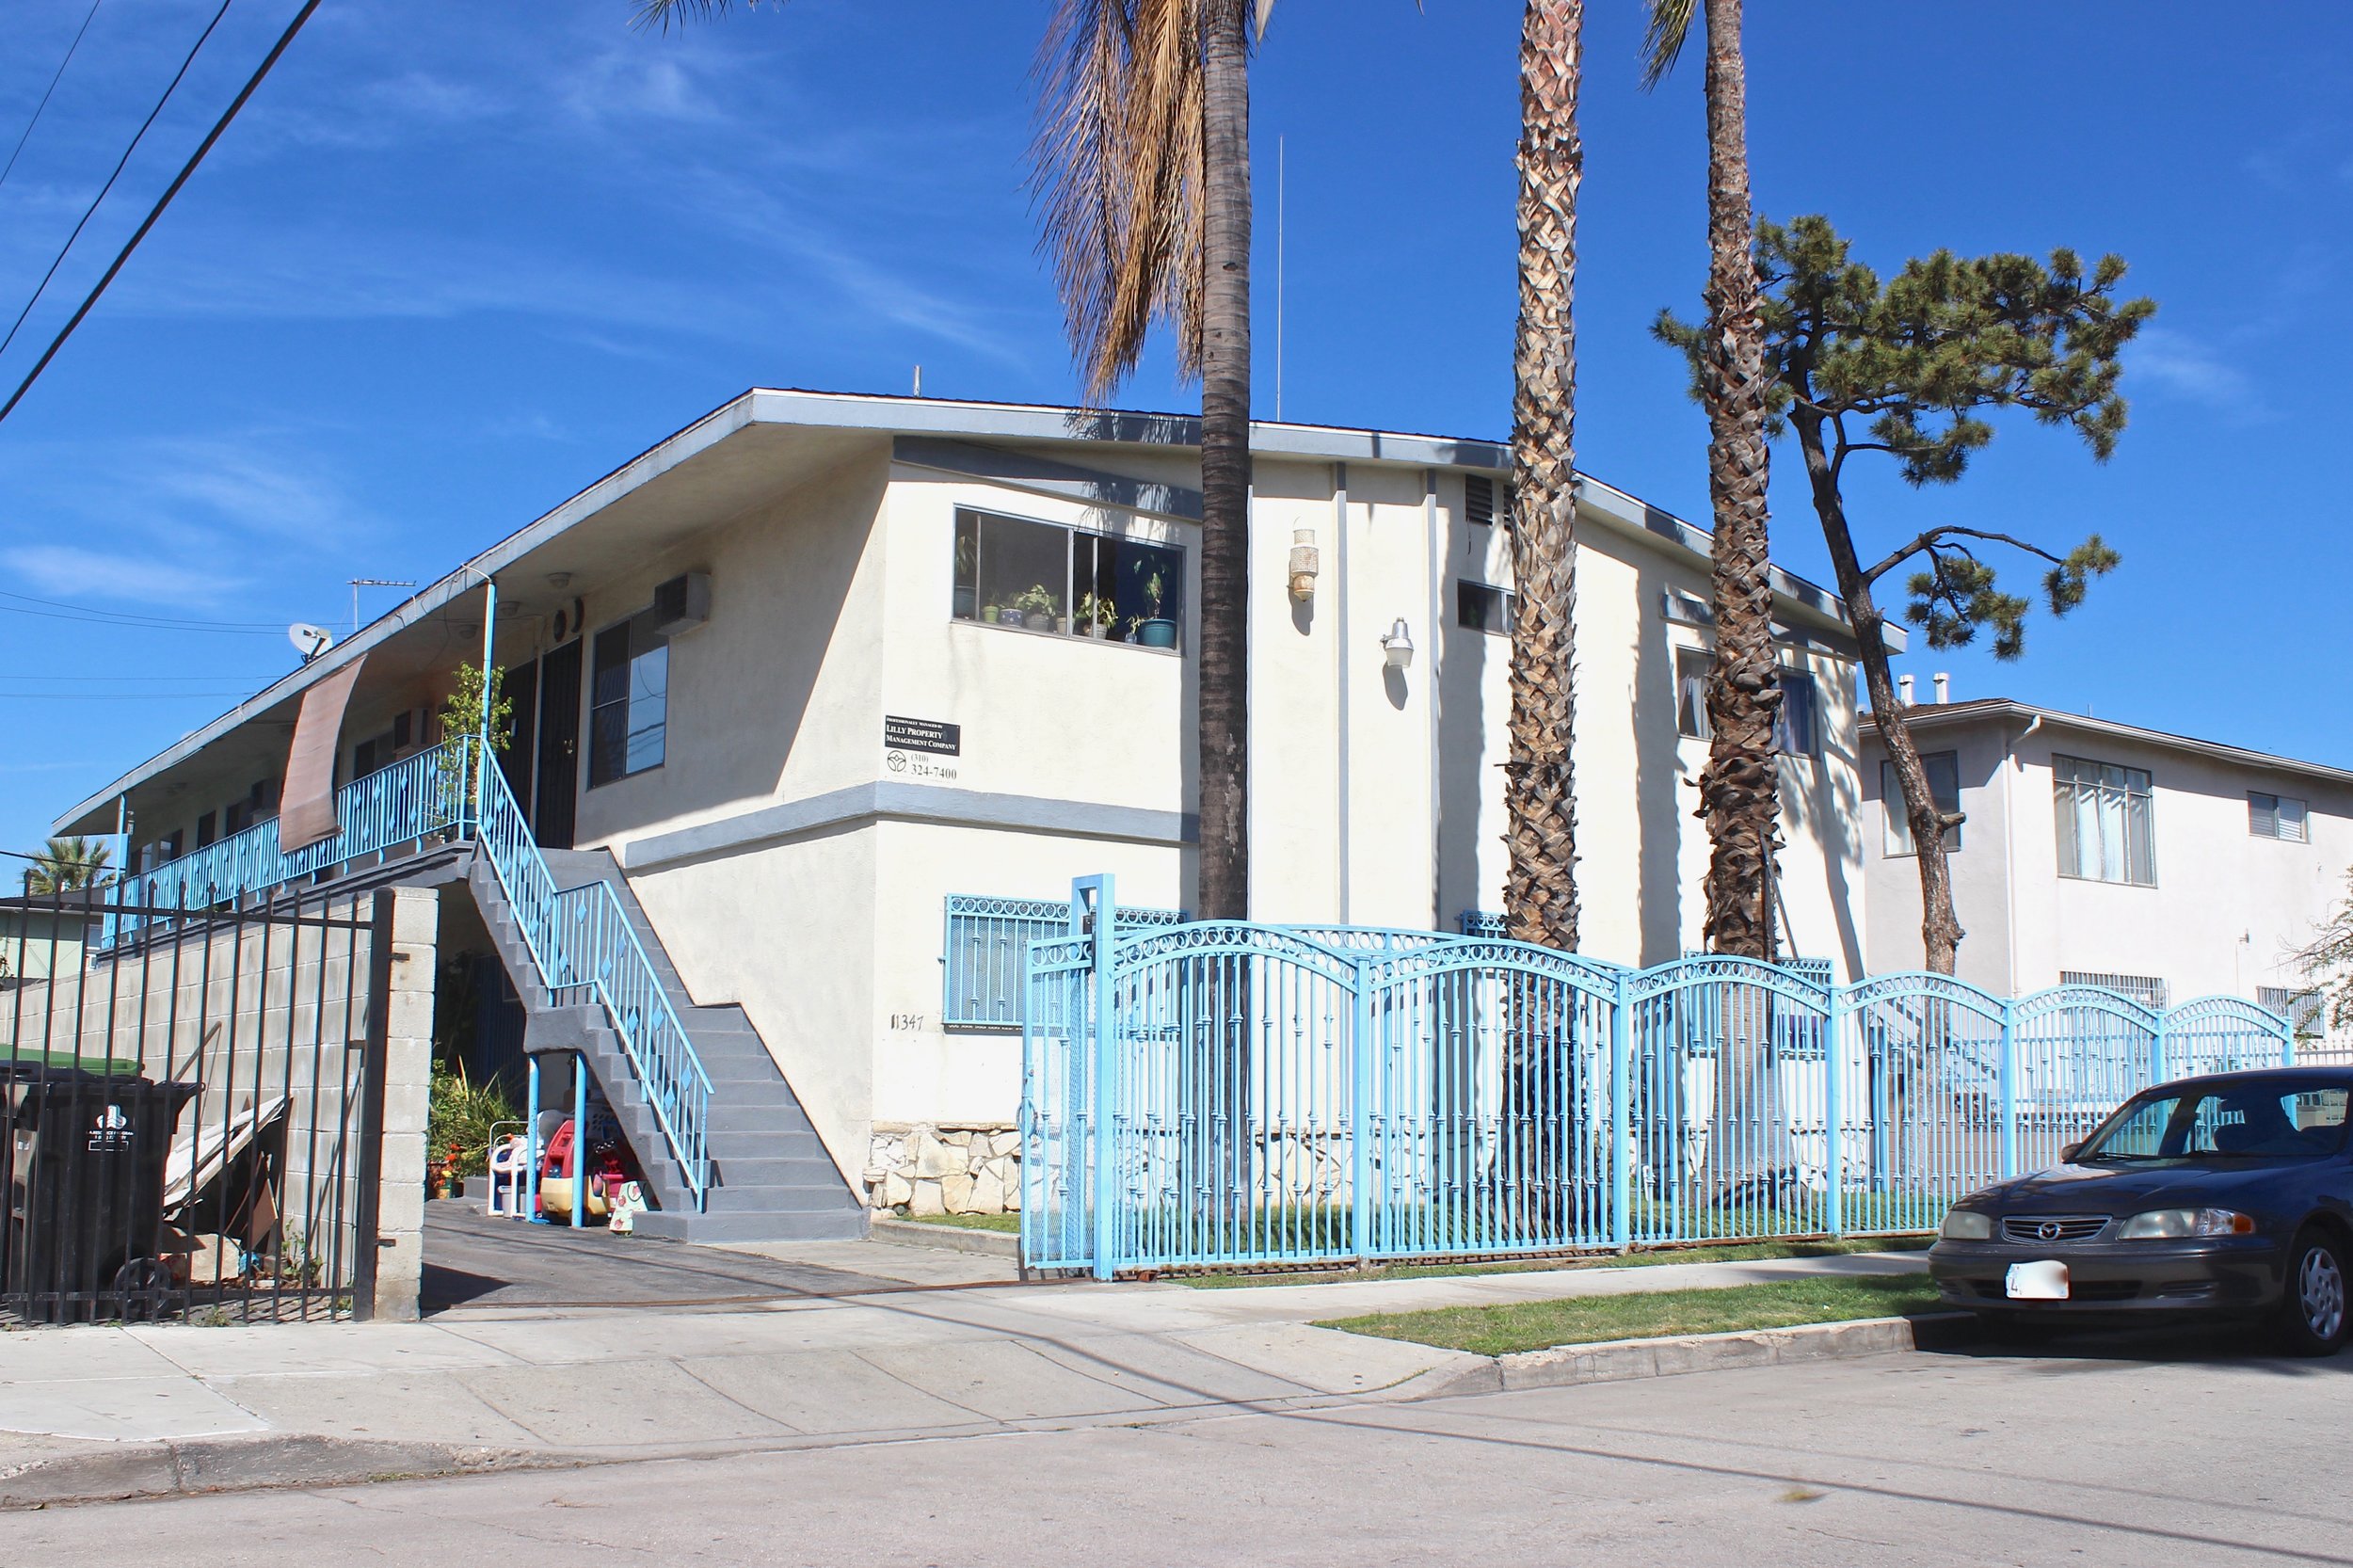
x=1626 y=1360
x=194 y=1465
x=915 y=1233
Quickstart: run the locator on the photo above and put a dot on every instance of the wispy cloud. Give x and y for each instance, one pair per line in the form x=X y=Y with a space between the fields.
x=71 y=571
x=2189 y=368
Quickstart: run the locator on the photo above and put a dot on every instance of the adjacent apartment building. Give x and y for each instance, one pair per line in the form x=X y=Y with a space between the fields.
x=838 y=694
x=2102 y=852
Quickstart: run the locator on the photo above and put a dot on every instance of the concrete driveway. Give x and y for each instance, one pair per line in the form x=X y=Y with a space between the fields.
x=2180 y=1452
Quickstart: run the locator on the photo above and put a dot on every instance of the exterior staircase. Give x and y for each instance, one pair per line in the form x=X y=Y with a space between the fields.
x=771 y=1179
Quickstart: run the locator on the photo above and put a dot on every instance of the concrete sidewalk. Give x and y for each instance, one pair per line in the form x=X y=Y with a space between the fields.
x=947 y=1348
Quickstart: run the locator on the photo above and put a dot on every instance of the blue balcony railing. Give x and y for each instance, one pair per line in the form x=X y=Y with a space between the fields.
x=415 y=801
x=578 y=938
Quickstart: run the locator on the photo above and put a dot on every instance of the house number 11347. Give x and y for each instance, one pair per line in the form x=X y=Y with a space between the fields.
x=904 y=1021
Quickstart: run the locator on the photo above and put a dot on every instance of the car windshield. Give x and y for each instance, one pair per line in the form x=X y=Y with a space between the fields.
x=2226 y=1121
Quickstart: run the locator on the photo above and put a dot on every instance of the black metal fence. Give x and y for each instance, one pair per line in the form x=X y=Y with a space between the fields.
x=189 y=1117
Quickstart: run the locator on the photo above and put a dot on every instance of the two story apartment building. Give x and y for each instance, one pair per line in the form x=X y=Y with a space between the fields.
x=2102 y=852
x=838 y=694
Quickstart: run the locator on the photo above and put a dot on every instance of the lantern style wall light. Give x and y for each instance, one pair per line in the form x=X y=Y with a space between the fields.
x=1397 y=646
x=1305 y=562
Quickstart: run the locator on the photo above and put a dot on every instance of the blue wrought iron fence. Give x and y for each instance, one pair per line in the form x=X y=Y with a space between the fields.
x=986 y=942
x=1223 y=1093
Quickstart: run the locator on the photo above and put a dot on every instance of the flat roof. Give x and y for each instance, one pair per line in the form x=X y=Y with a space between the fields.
x=882 y=414
x=1939 y=715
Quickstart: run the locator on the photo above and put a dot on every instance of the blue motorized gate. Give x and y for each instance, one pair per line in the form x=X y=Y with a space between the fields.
x=1221 y=1092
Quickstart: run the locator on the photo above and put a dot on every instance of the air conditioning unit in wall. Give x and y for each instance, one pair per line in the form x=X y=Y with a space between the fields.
x=682 y=603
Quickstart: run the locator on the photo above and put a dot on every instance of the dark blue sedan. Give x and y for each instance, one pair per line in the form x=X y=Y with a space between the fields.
x=2227 y=1195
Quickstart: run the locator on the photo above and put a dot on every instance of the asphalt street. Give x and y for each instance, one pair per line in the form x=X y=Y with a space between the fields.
x=2205 y=1454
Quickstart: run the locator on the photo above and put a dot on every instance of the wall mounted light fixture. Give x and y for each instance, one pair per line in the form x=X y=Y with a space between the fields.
x=1305 y=562
x=1397 y=646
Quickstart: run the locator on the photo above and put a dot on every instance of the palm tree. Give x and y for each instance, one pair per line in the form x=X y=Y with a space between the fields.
x=1142 y=167
x=68 y=865
x=1141 y=164
x=1540 y=891
x=1740 y=789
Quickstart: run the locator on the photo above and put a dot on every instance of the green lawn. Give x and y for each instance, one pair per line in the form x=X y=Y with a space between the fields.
x=1539 y=1325
x=1742 y=1252
x=968 y=1221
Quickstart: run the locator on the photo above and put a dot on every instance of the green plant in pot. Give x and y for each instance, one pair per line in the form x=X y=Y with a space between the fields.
x=1155 y=630
x=1096 y=617
x=989 y=614
x=1039 y=606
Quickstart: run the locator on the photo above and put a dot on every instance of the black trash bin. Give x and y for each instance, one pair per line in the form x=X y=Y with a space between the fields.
x=82 y=1163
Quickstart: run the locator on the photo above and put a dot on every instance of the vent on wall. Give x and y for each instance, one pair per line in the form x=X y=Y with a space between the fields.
x=1478 y=500
x=682 y=603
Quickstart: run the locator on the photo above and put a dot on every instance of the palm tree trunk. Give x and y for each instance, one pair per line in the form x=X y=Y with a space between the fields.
x=1739 y=790
x=1225 y=695
x=1940 y=926
x=1540 y=894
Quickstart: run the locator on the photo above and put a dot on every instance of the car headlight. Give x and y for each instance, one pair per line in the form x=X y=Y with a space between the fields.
x=2172 y=1225
x=1966 y=1224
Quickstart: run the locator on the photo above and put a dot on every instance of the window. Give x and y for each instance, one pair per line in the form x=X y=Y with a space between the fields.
x=2106 y=832
x=1043 y=577
x=204 y=834
x=1797 y=728
x=2243 y=1120
x=988 y=943
x=1943 y=771
x=2146 y=989
x=629 y=702
x=2301 y=1008
x=1482 y=607
x=2277 y=817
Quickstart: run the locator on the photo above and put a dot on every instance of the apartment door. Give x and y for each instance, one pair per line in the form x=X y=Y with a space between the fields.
x=519 y=760
x=558 y=790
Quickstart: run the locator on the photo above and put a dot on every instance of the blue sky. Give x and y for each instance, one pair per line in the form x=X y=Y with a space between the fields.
x=457 y=260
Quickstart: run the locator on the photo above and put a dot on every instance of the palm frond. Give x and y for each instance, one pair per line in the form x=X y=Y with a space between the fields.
x=1662 y=43
x=661 y=13
x=1116 y=168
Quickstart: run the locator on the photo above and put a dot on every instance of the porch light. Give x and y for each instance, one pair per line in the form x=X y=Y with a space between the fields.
x=1397 y=646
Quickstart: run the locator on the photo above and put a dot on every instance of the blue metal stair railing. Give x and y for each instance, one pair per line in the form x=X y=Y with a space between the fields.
x=578 y=938
x=582 y=943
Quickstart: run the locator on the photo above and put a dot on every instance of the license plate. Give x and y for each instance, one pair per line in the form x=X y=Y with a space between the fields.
x=2037 y=1282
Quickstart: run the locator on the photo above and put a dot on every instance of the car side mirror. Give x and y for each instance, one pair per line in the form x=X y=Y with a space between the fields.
x=2067 y=1153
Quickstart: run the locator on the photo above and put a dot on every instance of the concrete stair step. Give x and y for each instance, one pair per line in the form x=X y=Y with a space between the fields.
x=674 y=1225
x=784 y=1170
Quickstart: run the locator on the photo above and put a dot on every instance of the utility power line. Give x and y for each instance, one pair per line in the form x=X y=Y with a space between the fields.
x=120 y=164
x=155 y=213
x=53 y=609
x=90 y=16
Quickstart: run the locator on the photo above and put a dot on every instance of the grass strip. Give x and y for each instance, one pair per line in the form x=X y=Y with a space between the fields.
x=1010 y=1222
x=1582 y=1321
x=1743 y=1251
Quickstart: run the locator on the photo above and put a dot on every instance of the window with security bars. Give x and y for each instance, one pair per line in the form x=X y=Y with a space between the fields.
x=2277 y=817
x=2301 y=1008
x=2106 y=827
x=2147 y=991
x=988 y=942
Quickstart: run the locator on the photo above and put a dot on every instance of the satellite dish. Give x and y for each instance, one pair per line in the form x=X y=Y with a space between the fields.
x=310 y=641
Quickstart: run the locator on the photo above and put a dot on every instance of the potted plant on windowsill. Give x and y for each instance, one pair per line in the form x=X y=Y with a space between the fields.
x=1038 y=607
x=1096 y=617
x=989 y=614
x=1154 y=631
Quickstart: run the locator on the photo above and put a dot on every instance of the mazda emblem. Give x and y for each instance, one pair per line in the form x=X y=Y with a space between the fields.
x=2047 y=1231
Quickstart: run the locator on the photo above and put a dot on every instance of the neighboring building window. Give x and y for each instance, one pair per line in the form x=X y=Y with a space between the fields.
x=1943 y=771
x=1482 y=607
x=1043 y=577
x=629 y=704
x=1797 y=728
x=2107 y=830
x=2146 y=989
x=204 y=833
x=2300 y=1007
x=2277 y=817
